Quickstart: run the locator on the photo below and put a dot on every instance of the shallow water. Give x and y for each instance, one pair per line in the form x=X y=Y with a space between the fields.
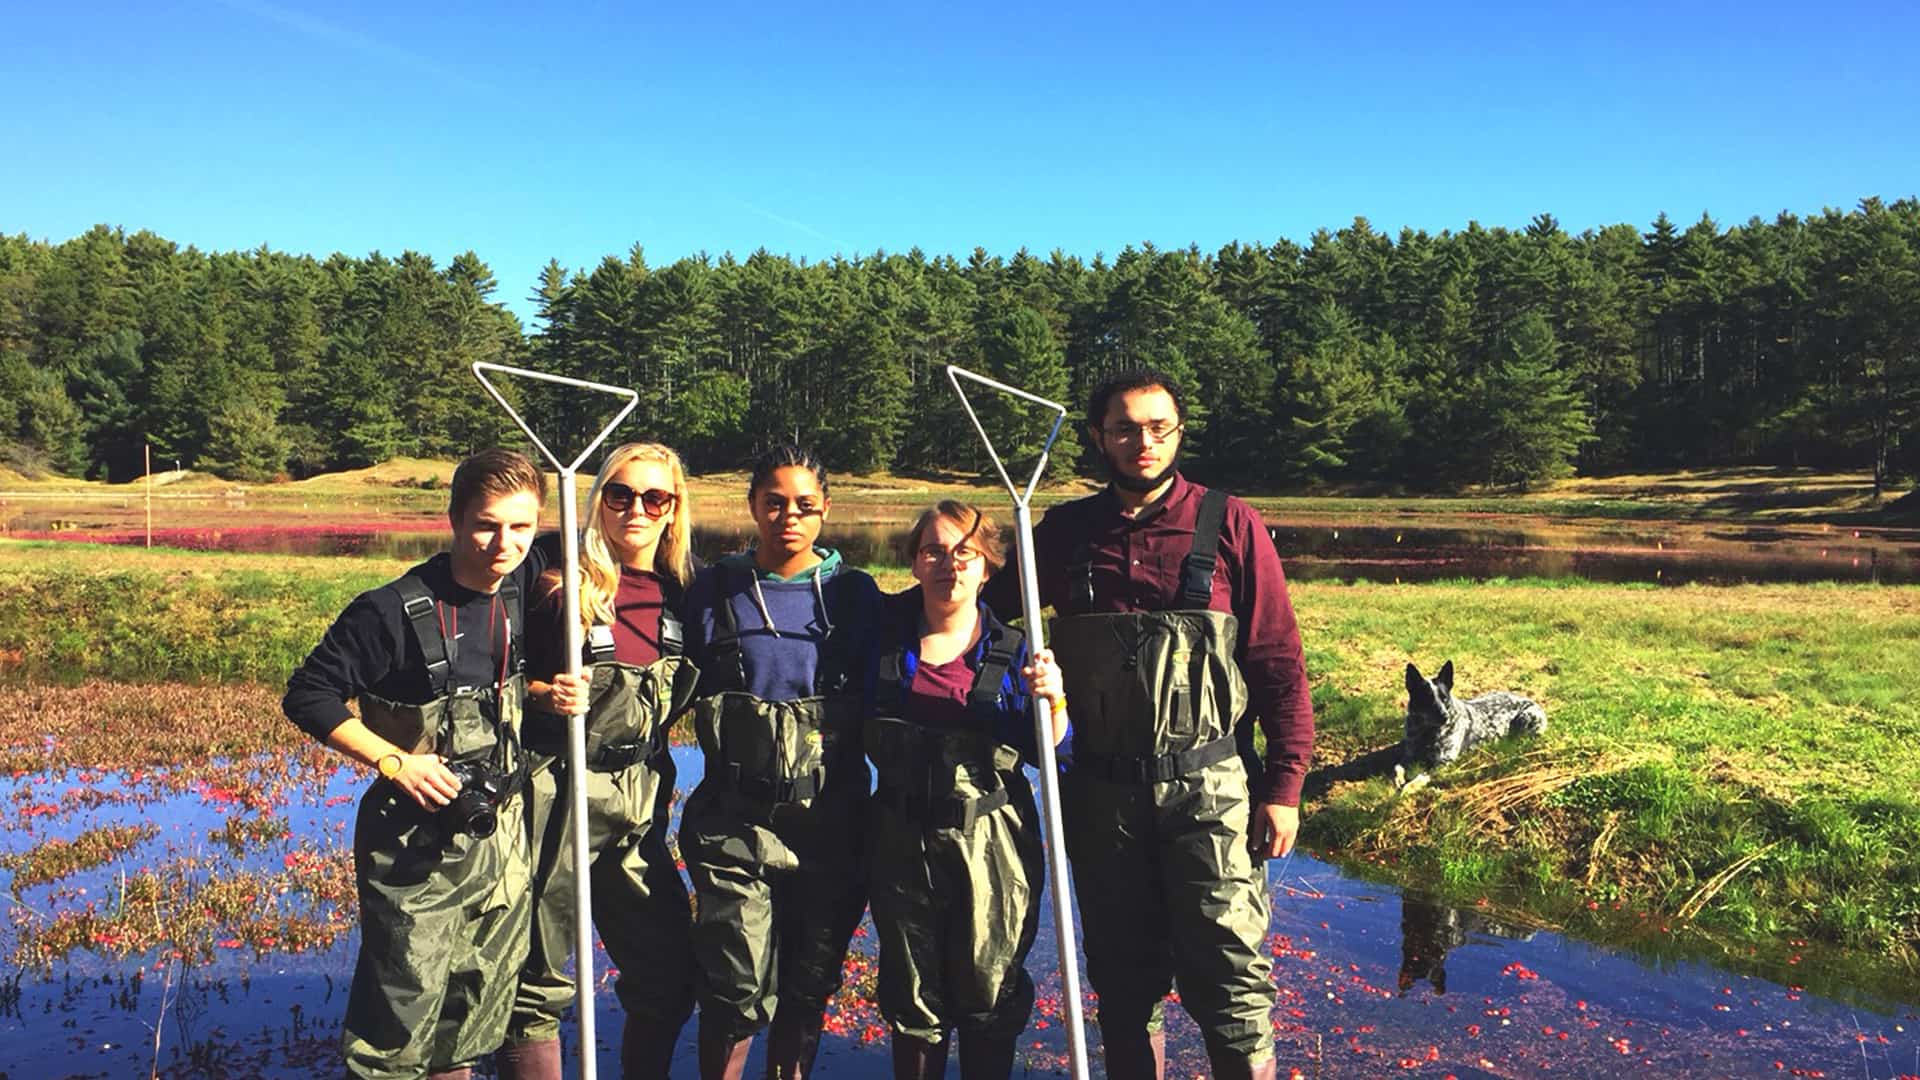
x=1369 y=980
x=1359 y=549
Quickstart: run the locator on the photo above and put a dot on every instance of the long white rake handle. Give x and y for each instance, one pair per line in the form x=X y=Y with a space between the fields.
x=576 y=724
x=1056 y=847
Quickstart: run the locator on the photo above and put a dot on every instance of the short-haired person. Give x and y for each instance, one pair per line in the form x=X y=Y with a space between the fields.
x=439 y=844
x=636 y=562
x=1175 y=636
x=955 y=840
x=784 y=636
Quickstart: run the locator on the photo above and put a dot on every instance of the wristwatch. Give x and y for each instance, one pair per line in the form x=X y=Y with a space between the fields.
x=390 y=765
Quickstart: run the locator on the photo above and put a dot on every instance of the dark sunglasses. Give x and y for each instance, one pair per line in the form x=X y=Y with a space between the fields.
x=618 y=498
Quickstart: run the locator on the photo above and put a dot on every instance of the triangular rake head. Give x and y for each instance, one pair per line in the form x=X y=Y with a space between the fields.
x=480 y=369
x=955 y=374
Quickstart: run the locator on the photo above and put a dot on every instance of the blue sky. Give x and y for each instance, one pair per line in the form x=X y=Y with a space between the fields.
x=816 y=129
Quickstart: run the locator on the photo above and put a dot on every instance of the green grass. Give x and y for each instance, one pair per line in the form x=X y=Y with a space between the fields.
x=1732 y=764
x=1737 y=764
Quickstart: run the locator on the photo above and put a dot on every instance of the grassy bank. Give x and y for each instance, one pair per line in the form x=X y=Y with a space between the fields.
x=1737 y=764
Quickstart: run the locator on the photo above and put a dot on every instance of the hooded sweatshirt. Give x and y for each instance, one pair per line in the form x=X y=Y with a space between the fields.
x=783 y=624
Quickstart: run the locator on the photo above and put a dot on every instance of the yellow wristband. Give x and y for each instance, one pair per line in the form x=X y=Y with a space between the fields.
x=1060 y=705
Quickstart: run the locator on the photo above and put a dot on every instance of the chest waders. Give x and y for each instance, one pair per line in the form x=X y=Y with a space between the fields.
x=772 y=839
x=443 y=914
x=1156 y=809
x=639 y=899
x=956 y=866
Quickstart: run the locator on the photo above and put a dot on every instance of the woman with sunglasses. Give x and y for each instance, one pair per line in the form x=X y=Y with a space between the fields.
x=955 y=842
x=784 y=636
x=635 y=563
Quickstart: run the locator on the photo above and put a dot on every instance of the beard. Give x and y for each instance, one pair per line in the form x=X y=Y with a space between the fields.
x=1138 y=485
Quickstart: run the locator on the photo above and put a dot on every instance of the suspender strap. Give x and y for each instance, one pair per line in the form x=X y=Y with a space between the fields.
x=417 y=603
x=1157 y=769
x=889 y=697
x=727 y=657
x=673 y=634
x=984 y=697
x=1196 y=570
x=940 y=813
x=1080 y=580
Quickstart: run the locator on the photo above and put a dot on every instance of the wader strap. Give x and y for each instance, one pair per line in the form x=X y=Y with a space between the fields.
x=598 y=647
x=727 y=657
x=771 y=791
x=1158 y=769
x=889 y=693
x=940 y=813
x=673 y=634
x=546 y=733
x=984 y=696
x=1080 y=580
x=417 y=603
x=1196 y=570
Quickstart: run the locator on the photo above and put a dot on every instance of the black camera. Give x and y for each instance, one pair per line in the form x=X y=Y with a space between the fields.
x=482 y=789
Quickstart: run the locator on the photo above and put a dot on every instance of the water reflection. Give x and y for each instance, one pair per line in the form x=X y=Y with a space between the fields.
x=1670 y=553
x=1429 y=931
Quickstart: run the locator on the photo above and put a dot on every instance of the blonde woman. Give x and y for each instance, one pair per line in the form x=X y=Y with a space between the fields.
x=635 y=563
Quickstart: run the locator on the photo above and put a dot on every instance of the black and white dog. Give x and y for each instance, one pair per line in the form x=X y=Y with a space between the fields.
x=1440 y=727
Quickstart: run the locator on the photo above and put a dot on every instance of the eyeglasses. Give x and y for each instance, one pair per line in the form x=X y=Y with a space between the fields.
x=618 y=498
x=934 y=555
x=1161 y=430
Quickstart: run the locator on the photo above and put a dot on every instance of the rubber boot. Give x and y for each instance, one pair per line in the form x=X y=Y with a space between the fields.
x=918 y=1059
x=986 y=1057
x=1240 y=1069
x=791 y=1046
x=529 y=1061
x=723 y=1057
x=646 y=1048
x=1135 y=1055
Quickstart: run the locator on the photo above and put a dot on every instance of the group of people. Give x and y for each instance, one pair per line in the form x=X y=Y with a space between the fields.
x=860 y=750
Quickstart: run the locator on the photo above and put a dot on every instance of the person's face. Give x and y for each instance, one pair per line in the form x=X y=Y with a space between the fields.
x=637 y=503
x=948 y=564
x=788 y=510
x=492 y=536
x=1140 y=437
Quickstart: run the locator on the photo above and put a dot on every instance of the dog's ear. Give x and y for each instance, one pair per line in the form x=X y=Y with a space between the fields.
x=1414 y=680
x=1444 y=680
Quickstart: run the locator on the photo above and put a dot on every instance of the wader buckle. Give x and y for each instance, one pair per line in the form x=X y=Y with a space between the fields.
x=954 y=813
x=614 y=757
x=774 y=791
x=1156 y=768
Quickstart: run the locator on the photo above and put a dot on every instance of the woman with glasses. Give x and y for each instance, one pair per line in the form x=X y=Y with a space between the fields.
x=955 y=843
x=635 y=565
x=784 y=635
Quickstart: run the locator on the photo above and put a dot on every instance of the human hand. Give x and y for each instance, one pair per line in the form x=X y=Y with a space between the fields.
x=426 y=778
x=569 y=696
x=1046 y=682
x=1275 y=827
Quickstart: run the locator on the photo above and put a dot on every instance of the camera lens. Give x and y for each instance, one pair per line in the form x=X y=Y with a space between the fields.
x=474 y=815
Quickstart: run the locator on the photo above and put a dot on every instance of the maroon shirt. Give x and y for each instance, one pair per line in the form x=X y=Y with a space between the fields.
x=937 y=696
x=637 y=605
x=1136 y=567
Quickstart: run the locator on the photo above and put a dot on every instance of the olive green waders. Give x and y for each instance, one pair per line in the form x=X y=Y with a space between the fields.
x=444 y=915
x=956 y=870
x=772 y=841
x=1157 y=810
x=640 y=904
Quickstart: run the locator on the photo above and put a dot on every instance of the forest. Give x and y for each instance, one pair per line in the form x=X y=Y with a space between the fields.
x=1358 y=361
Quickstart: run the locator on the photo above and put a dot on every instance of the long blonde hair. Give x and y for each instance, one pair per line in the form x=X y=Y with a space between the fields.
x=600 y=566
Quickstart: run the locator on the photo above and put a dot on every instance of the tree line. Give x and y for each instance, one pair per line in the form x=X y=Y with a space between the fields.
x=1418 y=361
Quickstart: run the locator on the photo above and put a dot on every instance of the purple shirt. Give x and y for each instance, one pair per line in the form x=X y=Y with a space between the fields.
x=1136 y=567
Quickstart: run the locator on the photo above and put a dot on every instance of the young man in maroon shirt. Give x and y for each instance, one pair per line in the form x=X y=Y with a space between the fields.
x=1176 y=637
